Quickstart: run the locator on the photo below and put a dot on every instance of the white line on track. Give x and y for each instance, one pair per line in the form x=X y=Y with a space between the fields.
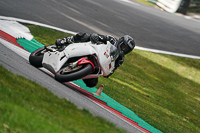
x=166 y=52
x=71 y=32
x=35 y=23
x=131 y=2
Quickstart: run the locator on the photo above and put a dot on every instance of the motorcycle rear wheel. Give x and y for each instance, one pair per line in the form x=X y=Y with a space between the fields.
x=66 y=74
x=36 y=56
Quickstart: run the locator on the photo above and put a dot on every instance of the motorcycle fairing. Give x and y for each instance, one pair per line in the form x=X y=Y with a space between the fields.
x=102 y=51
x=79 y=49
x=104 y=58
x=53 y=61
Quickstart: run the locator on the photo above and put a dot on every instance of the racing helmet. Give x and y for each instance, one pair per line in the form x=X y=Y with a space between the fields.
x=126 y=44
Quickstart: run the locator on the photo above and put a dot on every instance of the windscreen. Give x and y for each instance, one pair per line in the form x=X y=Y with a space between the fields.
x=114 y=52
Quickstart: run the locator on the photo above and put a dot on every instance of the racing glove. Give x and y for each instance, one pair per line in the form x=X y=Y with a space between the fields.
x=63 y=41
x=96 y=38
x=111 y=39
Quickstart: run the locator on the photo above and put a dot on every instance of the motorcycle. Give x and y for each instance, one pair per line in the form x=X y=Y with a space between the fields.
x=76 y=61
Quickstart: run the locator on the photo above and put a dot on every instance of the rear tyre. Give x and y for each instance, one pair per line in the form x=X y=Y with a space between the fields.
x=36 y=56
x=67 y=74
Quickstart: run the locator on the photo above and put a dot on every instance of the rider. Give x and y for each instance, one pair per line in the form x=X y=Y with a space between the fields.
x=125 y=45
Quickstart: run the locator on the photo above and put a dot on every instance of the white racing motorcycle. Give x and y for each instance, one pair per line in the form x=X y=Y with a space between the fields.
x=77 y=60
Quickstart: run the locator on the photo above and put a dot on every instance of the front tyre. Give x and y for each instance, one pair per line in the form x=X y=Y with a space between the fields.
x=67 y=74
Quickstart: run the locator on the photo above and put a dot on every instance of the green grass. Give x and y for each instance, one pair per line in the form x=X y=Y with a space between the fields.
x=163 y=90
x=26 y=107
x=145 y=2
x=194 y=10
x=45 y=35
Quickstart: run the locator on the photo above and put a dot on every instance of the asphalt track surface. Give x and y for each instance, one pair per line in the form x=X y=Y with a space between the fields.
x=150 y=27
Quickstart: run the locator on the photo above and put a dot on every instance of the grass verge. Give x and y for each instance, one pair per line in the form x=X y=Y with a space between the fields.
x=163 y=90
x=194 y=10
x=145 y=2
x=26 y=107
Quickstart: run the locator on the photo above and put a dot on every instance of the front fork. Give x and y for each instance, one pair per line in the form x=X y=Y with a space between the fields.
x=83 y=61
x=74 y=64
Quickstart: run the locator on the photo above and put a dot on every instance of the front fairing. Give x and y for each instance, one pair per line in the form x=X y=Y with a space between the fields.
x=106 y=60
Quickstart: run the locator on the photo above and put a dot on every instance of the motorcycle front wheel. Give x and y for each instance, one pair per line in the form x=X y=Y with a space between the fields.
x=67 y=74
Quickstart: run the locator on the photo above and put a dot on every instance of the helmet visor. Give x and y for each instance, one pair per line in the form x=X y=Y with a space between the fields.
x=125 y=48
x=127 y=51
